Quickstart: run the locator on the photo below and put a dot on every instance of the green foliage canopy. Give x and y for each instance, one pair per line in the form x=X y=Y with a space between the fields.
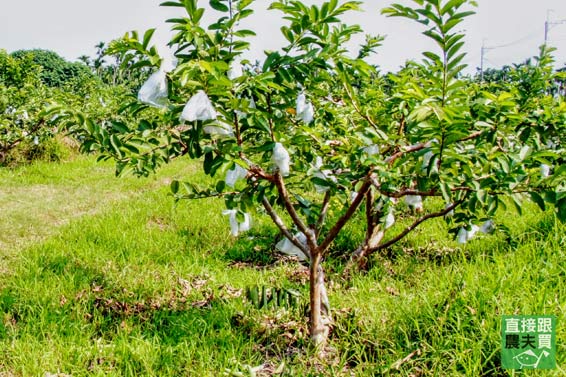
x=319 y=132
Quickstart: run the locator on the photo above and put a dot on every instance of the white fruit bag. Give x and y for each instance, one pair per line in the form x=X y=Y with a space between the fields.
x=154 y=91
x=389 y=220
x=235 y=227
x=305 y=110
x=220 y=129
x=198 y=107
x=281 y=159
x=234 y=175
x=415 y=202
x=287 y=247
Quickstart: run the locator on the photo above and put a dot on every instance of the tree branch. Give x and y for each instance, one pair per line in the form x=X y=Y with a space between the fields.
x=281 y=225
x=284 y=194
x=414 y=148
x=358 y=110
x=344 y=219
x=323 y=212
x=475 y=135
x=417 y=147
x=414 y=225
x=370 y=220
x=433 y=192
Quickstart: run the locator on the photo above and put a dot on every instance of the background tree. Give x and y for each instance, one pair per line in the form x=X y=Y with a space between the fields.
x=55 y=71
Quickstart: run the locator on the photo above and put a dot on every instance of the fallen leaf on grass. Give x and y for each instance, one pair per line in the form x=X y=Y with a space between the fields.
x=227 y=291
x=397 y=365
x=392 y=291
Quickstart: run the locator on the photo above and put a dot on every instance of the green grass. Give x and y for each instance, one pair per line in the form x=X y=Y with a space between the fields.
x=36 y=199
x=106 y=276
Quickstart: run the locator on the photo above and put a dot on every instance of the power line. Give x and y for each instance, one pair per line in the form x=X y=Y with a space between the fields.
x=525 y=38
x=548 y=25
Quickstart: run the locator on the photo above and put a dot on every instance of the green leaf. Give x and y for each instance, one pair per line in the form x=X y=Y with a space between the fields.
x=175 y=187
x=536 y=198
x=561 y=210
x=171 y=4
x=451 y=6
x=220 y=186
x=217 y=5
x=208 y=161
x=147 y=38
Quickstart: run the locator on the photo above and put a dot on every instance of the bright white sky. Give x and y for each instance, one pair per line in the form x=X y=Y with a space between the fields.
x=73 y=27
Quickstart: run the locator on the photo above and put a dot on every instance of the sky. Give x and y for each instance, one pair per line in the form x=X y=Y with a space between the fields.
x=510 y=30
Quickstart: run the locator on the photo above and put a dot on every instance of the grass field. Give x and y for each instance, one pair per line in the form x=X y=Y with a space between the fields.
x=106 y=276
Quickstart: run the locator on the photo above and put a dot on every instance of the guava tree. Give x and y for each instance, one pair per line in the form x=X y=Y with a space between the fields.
x=315 y=135
x=22 y=98
x=29 y=109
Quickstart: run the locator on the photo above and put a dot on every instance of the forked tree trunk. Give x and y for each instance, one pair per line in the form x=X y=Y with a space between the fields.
x=373 y=239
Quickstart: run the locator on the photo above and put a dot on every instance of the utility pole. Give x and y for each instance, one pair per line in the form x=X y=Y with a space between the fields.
x=482 y=57
x=484 y=49
x=548 y=25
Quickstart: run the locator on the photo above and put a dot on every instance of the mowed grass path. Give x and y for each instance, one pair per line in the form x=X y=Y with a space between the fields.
x=109 y=277
x=35 y=200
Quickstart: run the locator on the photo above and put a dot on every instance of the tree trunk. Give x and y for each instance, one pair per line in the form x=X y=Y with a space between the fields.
x=319 y=307
x=373 y=239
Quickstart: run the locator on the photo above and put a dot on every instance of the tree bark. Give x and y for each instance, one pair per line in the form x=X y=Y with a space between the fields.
x=374 y=237
x=318 y=302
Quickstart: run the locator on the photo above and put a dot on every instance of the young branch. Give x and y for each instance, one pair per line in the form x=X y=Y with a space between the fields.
x=414 y=148
x=323 y=212
x=406 y=192
x=358 y=109
x=414 y=225
x=344 y=219
x=418 y=147
x=284 y=194
x=370 y=220
x=281 y=225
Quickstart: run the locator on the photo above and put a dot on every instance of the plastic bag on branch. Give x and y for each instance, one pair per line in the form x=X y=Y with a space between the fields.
x=287 y=247
x=353 y=196
x=235 y=174
x=281 y=159
x=415 y=202
x=465 y=235
x=487 y=227
x=198 y=107
x=235 y=227
x=236 y=70
x=154 y=91
x=322 y=174
x=389 y=220
x=371 y=150
x=305 y=110
x=220 y=129
x=427 y=157
x=451 y=213
x=544 y=171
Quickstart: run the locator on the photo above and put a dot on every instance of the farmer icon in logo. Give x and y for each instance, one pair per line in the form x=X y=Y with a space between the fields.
x=530 y=359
